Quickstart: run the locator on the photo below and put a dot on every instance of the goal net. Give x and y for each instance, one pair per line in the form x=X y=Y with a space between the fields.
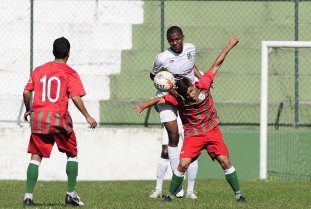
x=285 y=111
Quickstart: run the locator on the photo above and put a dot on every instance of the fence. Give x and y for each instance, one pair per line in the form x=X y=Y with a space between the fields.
x=114 y=44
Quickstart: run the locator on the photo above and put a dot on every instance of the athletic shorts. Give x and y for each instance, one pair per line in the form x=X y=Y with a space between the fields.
x=42 y=144
x=211 y=141
x=167 y=112
x=180 y=131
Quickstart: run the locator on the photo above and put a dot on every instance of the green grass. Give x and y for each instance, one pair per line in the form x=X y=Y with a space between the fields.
x=134 y=194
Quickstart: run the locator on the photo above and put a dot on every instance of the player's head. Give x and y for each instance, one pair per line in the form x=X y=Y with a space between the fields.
x=61 y=48
x=185 y=88
x=175 y=38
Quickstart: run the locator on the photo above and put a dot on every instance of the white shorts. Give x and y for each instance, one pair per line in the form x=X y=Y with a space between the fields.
x=167 y=112
x=180 y=131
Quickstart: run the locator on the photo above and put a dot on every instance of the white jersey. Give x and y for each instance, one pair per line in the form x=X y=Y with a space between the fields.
x=180 y=65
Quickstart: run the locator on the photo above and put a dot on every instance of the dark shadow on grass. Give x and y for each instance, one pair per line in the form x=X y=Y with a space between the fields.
x=47 y=204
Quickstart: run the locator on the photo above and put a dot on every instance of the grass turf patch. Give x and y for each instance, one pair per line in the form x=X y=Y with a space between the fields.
x=134 y=194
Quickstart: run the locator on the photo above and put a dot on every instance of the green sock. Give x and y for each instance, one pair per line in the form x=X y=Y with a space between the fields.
x=175 y=183
x=232 y=179
x=72 y=173
x=32 y=177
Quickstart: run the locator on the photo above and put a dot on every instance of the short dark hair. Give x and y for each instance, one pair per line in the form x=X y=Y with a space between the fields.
x=181 y=85
x=61 y=48
x=173 y=29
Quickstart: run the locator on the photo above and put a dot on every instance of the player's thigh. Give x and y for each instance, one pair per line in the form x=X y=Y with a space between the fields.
x=41 y=144
x=67 y=143
x=192 y=147
x=216 y=145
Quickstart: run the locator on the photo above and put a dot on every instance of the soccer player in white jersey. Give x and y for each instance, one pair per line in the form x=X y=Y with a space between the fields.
x=179 y=60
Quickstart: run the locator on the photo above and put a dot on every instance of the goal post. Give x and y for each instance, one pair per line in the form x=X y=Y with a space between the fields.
x=265 y=47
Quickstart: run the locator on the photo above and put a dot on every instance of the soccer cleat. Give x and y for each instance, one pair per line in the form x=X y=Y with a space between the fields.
x=28 y=201
x=75 y=201
x=241 y=199
x=155 y=194
x=179 y=192
x=191 y=195
x=167 y=198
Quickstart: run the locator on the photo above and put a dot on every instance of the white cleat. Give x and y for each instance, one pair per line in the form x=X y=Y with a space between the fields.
x=191 y=195
x=180 y=192
x=155 y=194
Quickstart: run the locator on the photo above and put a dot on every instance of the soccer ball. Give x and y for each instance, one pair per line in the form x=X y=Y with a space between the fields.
x=164 y=81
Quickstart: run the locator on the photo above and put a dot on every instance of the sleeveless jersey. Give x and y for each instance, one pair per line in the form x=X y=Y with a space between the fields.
x=53 y=83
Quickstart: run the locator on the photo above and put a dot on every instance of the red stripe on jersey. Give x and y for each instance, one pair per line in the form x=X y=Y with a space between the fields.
x=199 y=116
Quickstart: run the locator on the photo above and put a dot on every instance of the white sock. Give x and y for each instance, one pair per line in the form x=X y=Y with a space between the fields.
x=173 y=155
x=72 y=194
x=192 y=175
x=28 y=195
x=178 y=173
x=161 y=170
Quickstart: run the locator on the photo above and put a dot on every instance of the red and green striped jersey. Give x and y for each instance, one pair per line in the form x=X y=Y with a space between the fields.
x=200 y=116
x=53 y=83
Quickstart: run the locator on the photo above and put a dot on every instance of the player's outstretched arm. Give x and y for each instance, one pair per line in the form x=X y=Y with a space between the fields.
x=80 y=105
x=221 y=57
x=196 y=72
x=26 y=97
x=152 y=102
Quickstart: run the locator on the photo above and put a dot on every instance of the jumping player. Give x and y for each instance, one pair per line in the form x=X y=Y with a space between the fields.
x=53 y=84
x=200 y=120
x=179 y=60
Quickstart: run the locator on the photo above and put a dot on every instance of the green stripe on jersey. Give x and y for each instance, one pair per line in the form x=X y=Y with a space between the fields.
x=31 y=120
x=57 y=122
x=193 y=125
x=39 y=121
x=48 y=122
x=64 y=122
x=201 y=120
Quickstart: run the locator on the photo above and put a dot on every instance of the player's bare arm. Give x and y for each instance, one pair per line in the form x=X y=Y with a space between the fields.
x=80 y=105
x=221 y=57
x=26 y=97
x=152 y=102
x=196 y=72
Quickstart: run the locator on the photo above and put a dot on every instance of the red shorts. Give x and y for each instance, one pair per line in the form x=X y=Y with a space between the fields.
x=211 y=141
x=42 y=144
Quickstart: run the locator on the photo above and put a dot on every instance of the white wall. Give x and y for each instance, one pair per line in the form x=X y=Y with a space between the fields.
x=97 y=30
x=104 y=154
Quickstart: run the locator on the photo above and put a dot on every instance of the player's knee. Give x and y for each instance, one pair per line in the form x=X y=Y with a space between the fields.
x=225 y=162
x=173 y=138
x=183 y=166
x=164 y=153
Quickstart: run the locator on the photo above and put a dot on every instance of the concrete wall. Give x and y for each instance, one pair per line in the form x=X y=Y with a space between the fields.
x=104 y=154
x=97 y=30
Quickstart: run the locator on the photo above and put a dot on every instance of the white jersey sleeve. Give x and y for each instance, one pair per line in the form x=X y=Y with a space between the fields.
x=158 y=64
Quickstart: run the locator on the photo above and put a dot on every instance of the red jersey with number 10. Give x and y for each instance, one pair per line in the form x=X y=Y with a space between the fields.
x=53 y=83
x=200 y=116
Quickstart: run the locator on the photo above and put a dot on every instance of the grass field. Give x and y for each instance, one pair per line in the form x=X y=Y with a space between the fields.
x=134 y=194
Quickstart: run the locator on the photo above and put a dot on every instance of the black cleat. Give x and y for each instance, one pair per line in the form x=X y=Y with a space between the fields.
x=28 y=201
x=75 y=201
x=167 y=198
x=241 y=199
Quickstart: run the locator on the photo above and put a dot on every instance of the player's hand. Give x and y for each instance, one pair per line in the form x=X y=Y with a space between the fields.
x=138 y=109
x=92 y=122
x=174 y=93
x=233 y=41
x=26 y=114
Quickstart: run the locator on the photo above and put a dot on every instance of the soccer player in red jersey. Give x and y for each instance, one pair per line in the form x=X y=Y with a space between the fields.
x=200 y=120
x=53 y=84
